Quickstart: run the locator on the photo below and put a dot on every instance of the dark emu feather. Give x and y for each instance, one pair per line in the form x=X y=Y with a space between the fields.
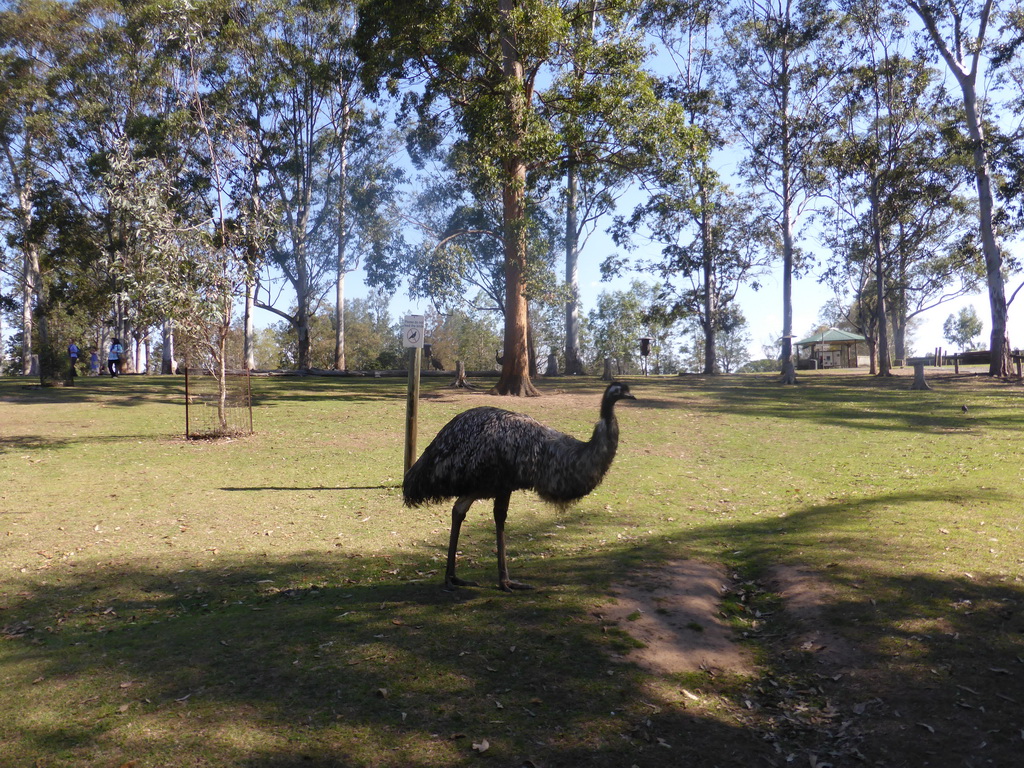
x=487 y=453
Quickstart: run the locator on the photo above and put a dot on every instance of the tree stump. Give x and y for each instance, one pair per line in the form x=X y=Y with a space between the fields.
x=788 y=373
x=607 y=375
x=919 y=382
x=461 y=382
x=552 y=367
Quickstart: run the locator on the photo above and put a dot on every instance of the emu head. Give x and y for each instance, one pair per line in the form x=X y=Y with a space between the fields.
x=617 y=391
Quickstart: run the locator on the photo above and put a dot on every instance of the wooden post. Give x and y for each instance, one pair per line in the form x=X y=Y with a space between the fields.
x=412 y=407
x=956 y=363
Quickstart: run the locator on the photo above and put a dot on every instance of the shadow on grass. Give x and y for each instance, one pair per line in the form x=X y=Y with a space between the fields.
x=933 y=676
x=314 y=488
x=368 y=662
x=344 y=660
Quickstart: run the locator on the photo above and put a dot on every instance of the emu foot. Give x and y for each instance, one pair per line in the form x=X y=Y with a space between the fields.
x=513 y=586
x=451 y=582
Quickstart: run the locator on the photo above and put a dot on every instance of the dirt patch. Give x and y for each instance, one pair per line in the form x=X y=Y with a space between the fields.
x=675 y=612
x=804 y=596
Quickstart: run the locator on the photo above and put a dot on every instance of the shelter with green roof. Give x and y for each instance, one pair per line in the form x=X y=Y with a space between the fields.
x=830 y=349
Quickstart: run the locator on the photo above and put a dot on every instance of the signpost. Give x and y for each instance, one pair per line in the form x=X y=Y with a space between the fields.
x=412 y=339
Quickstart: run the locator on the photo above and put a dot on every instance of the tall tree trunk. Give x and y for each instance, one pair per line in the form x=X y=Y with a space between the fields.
x=999 y=343
x=884 y=364
x=248 y=340
x=788 y=366
x=28 y=285
x=342 y=233
x=167 y=366
x=515 y=367
x=573 y=364
x=302 y=301
x=966 y=73
x=709 y=297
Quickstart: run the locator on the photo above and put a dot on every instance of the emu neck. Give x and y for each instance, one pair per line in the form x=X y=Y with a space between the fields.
x=608 y=411
x=607 y=429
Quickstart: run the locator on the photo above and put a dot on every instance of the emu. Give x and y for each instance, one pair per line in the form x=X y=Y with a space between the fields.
x=487 y=453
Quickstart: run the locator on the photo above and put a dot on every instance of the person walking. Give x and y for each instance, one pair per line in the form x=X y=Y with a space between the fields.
x=73 y=354
x=94 y=363
x=114 y=357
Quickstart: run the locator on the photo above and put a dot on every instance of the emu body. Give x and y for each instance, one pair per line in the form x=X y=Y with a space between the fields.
x=487 y=453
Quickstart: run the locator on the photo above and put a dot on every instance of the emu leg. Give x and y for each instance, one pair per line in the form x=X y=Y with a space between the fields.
x=459 y=511
x=500 y=513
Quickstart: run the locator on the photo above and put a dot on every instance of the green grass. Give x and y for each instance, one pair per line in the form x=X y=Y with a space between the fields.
x=267 y=601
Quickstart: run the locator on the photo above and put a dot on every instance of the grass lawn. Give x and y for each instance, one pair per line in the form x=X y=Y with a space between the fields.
x=267 y=600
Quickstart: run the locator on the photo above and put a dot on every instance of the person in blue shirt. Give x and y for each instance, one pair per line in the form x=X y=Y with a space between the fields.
x=94 y=363
x=114 y=357
x=73 y=354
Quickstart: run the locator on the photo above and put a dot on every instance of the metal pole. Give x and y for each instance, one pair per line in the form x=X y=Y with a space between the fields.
x=412 y=407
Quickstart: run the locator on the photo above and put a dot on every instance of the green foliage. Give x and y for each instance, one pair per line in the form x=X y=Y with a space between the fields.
x=372 y=340
x=622 y=318
x=760 y=366
x=963 y=328
x=471 y=338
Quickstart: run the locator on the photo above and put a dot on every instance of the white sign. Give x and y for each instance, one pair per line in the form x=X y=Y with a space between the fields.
x=412 y=331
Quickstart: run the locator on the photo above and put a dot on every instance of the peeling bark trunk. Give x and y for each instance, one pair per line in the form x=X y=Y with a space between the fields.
x=167 y=364
x=882 y=322
x=342 y=231
x=515 y=368
x=573 y=364
x=963 y=61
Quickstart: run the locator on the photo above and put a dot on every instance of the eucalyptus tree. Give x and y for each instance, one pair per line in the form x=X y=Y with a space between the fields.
x=962 y=328
x=597 y=104
x=711 y=240
x=895 y=214
x=621 y=318
x=459 y=265
x=481 y=74
x=959 y=33
x=31 y=44
x=117 y=101
x=784 y=56
x=317 y=160
x=710 y=245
